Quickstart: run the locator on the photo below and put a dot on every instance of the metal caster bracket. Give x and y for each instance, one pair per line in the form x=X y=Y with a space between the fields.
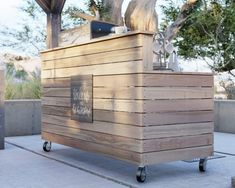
x=141 y=174
x=47 y=146
x=202 y=164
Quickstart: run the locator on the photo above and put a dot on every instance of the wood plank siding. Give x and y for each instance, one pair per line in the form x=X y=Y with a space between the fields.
x=139 y=115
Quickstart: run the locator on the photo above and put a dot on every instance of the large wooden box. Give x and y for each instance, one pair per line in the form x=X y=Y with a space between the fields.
x=139 y=115
x=2 y=130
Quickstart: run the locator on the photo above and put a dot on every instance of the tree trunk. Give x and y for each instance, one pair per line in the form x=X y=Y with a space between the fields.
x=173 y=29
x=141 y=15
x=114 y=11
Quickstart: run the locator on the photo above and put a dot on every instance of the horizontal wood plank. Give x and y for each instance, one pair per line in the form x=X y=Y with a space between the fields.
x=138 y=80
x=177 y=93
x=99 y=115
x=173 y=143
x=168 y=118
x=56 y=83
x=138 y=119
x=56 y=92
x=101 y=127
x=140 y=146
x=103 y=69
x=99 y=81
x=175 y=155
x=178 y=105
x=148 y=106
x=138 y=106
x=138 y=93
x=188 y=129
x=129 y=156
x=178 y=80
x=123 y=55
x=95 y=137
x=94 y=47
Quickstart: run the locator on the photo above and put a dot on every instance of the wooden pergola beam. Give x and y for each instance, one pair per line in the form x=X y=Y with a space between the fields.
x=57 y=6
x=53 y=9
x=45 y=5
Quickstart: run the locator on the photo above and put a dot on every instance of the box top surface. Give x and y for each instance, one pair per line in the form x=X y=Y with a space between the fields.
x=110 y=37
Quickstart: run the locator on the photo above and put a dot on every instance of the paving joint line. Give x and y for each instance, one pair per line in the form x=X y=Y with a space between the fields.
x=225 y=153
x=73 y=166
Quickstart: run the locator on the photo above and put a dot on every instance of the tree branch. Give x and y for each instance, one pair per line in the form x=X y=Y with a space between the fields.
x=173 y=29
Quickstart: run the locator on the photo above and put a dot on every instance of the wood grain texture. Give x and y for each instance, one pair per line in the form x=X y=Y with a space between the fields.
x=97 y=126
x=188 y=129
x=56 y=83
x=99 y=81
x=140 y=80
x=95 y=137
x=148 y=53
x=138 y=106
x=99 y=115
x=138 y=119
x=140 y=115
x=132 y=157
x=178 y=80
x=102 y=69
x=175 y=155
x=148 y=106
x=138 y=93
x=105 y=44
x=169 y=118
x=180 y=142
x=123 y=55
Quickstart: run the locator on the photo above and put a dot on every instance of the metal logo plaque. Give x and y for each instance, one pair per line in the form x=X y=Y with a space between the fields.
x=82 y=98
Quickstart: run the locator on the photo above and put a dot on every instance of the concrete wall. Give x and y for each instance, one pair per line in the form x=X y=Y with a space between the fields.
x=22 y=117
x=1 y=109
x=225 y=116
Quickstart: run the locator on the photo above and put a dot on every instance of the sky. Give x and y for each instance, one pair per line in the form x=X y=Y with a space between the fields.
x=10 y=16
x=9 y=13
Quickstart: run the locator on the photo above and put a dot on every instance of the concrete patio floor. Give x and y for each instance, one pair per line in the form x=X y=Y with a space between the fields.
x=23 y=164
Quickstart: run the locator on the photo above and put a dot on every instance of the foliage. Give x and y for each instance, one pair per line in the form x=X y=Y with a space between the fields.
x=229 y=87
x=104 y=10
x=22 y=85
x=208 y=33
x=30 y=34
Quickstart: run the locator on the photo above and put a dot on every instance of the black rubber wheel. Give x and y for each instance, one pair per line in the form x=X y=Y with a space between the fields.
x=47 y=146
x=202 y=165
x=141 y=174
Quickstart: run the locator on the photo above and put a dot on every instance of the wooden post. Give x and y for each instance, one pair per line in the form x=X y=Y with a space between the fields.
x=53 y=29
x=53 y=9
x=2 y=121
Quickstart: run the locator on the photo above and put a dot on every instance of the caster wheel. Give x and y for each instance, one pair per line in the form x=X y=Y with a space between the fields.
x=47 y=146
x=202 y=165
x=141 y=174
